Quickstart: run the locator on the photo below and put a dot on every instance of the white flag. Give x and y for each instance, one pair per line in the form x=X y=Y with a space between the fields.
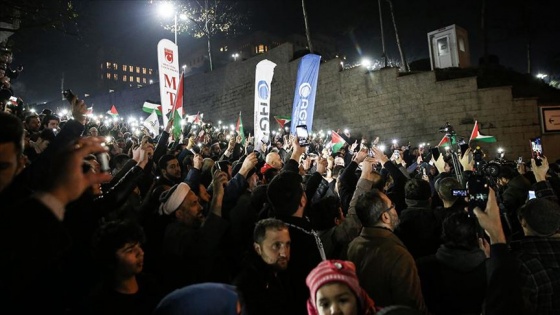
x=263 y=77
x=168 y=61
x=152 y=123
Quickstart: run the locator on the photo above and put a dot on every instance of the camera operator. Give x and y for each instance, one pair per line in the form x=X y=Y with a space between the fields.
x=513 y=190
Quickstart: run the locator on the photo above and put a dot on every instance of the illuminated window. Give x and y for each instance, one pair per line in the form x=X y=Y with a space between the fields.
x=461 y=44
x=108 y=65
x=131 y=68
x=108 y=75
x=115 y=66
x=101 y=68
x=150 y=71
x=124 y=68
x=224 y=48
x=144 y=80
x=124 y=77
x=131 y=79
x=115 y=76
x=144 y=70
x=137 y=69
x=137 y=79
x=261 y=49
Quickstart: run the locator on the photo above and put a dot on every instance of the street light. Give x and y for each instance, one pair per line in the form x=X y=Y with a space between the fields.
x=184 y=68
x=235 y=56
x=166 y=9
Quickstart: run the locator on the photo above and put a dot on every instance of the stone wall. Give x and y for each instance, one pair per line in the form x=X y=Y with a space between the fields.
x=378 y=103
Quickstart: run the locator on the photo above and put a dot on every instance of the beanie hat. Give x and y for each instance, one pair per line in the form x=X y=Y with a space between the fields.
x=542 y=215
x=341 y=271
x=265 y=167
x=172 y=199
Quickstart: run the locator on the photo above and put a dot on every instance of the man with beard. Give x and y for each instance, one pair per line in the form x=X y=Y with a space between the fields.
x=264 y=284
x=386 y=269
x=192 y=245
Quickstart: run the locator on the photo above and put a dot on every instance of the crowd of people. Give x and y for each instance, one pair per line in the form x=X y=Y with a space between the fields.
x=98 y=219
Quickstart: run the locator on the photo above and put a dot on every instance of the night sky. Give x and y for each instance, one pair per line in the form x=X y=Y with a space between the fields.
x=133 y=28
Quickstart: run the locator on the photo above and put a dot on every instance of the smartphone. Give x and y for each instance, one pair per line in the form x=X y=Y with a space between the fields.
x=302 y=135
x=460 y=192
x=103 y=160
x=531 y=195
x=478 y=191
x=537 y=150
x=435 y=153
x=68 y=95
x=396 y=154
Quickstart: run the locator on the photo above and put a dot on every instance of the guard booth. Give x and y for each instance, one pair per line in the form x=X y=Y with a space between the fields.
x=449 y=47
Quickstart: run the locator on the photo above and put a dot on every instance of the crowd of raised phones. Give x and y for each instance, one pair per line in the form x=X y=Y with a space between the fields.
x=104 y=218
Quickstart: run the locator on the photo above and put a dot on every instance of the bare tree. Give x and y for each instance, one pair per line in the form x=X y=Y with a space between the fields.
x=18 y=15
x=206 y=19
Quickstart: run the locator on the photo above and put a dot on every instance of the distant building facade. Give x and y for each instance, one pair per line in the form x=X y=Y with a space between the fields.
x=116 y=75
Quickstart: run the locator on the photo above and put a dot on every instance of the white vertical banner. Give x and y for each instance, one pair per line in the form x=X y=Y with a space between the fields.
x=263 y=78
x=168 y=67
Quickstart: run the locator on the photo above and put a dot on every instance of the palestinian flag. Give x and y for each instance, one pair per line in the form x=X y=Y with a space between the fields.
x=282 y=120
x=149 y=107
x=337 y=142
x=445 y=141
x=177 y=111
x=113 y=112
x=239 y=129
x=195 y=119
x=476 y=136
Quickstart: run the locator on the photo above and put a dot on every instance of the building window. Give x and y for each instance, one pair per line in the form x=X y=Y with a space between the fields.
x=115 y=76
x=131 y=68
x=144 y=80
x=137 y=69
x=144 y=70
x=115 y=66
x=108 y=75
x=461 y=44
x=263 y=48
x=108 y=65
x=101 y=68
x=150 y=71
x=124 y=68
x=224 y=48
x=137 y=79
x=124 y=77
x=131 y=79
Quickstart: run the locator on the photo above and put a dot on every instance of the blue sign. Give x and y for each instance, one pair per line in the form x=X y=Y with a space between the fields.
x=306 y=88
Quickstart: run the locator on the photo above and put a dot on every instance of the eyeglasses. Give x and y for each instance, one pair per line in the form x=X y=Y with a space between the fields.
x=390 y=207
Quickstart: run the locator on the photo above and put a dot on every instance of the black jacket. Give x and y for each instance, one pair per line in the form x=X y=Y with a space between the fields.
x=265 y=290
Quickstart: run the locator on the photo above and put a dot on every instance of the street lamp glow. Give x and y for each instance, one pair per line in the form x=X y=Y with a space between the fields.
x=151 y=81
x=366 y=62
x=166 y=9
x=184 y=67
x=235 y=56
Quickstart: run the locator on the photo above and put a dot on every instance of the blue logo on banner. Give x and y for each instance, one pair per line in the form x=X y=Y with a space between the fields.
x=263 y=90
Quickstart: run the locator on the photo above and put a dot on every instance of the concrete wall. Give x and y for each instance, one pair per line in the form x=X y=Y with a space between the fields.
x=379 y=103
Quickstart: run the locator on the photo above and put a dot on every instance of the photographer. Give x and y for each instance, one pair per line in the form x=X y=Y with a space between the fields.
x=513 y=190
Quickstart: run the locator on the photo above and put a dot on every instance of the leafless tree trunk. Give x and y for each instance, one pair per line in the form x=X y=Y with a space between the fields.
x=307 y=33
x=404 y=64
